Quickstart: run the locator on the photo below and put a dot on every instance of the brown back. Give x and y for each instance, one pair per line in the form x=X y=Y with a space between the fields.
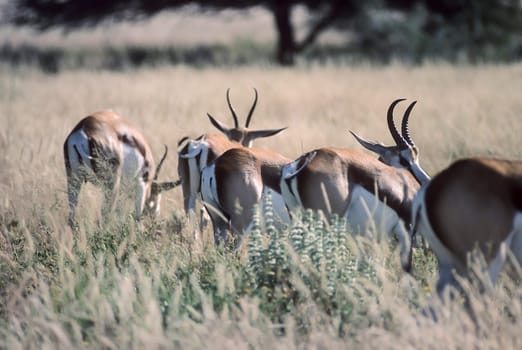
x=105 y=129
x=396 y=187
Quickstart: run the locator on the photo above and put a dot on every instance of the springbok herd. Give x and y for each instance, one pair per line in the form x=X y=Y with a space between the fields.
x=474 y=205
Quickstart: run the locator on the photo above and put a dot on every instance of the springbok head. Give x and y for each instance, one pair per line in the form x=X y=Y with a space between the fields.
x=153 y=199
x=239 y=134
x=404 y=154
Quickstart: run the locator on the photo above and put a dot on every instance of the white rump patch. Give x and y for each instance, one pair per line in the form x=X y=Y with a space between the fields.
x=290 y=192
x=209 y=189
x=195 y=148
x=133 y=163
x=78 y=149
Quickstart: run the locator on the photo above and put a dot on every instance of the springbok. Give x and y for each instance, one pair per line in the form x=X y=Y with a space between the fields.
x=359 y=187
x=235 y=183
x=196 y=154
x=474 y=203
x=108 y=151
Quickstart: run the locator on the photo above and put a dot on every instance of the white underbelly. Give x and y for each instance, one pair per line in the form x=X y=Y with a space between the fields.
x=516 y=244
x=366 y=214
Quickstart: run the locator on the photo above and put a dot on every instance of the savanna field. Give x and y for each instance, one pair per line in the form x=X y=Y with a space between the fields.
x=311 y=285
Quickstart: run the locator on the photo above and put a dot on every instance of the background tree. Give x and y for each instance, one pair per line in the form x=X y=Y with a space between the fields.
x=380 y=29
x=70 y=14
x=476 y=28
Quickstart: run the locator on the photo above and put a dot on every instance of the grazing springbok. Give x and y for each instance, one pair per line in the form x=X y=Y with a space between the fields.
x=475 y=203
x=196 y=154
x=355 y=185
x=110 y=152
x=235 y=183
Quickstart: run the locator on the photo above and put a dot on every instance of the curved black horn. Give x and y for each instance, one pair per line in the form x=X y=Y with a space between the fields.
x=158 y=168
x=234 y=115
x=251 y=110
x=404 y=125
x=399 y=140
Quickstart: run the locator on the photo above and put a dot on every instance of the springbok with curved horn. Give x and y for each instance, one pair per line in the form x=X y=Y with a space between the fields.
x=357 y=186
x=108 y=151
x=196 y=154
x=475 y=203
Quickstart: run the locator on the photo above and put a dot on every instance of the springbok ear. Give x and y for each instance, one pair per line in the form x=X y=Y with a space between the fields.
x=256 y=134
x=158 y=187
x=372 y=146
x=219 y=125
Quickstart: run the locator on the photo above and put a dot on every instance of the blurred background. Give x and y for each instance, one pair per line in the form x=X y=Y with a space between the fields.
x=121 y=34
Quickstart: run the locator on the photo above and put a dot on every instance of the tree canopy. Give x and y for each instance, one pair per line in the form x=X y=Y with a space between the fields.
x=418 y=27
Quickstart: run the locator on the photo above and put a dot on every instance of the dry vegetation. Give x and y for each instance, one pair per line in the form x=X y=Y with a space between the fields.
x=118 y=288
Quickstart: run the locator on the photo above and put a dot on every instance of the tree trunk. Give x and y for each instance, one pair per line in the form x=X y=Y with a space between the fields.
x=282 y=11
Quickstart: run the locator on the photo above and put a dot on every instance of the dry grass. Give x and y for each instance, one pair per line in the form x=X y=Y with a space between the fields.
x=462 y=111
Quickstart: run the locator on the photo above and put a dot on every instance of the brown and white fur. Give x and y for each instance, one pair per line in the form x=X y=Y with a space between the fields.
x=108 y=151
x=235 y=183
x=364 y=190
x=474 y=203
x=196 y=154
